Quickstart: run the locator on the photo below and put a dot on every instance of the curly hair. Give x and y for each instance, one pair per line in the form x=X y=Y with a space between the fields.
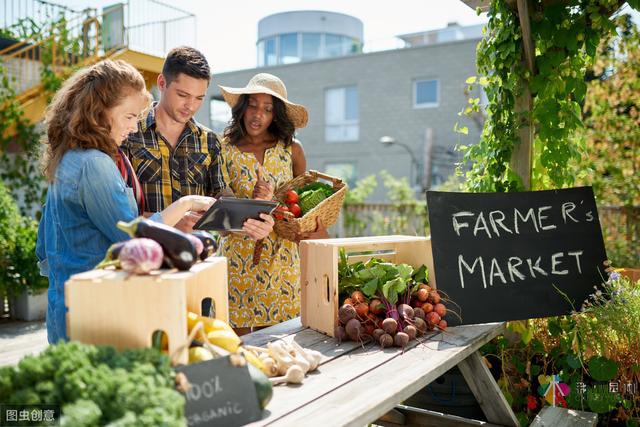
x=281 y=126
x=77 y=116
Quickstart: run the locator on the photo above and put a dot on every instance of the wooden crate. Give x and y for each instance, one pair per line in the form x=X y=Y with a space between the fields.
x=319 y=270
x=115 y=308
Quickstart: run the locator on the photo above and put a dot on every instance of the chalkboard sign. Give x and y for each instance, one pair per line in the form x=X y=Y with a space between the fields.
x=508 y=256
x=220 y=395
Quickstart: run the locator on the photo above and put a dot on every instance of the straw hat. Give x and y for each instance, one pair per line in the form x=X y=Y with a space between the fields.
x=271 y=85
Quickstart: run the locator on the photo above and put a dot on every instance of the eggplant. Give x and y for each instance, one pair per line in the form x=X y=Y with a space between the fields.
x=208 y=241
x=178 y=250
x=111 y=257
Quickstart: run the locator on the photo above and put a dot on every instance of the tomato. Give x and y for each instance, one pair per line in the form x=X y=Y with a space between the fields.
x=291 y=197
x=277 y=213
x=295 y=210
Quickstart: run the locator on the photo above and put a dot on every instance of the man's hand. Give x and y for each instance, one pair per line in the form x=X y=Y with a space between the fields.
x=257 y=229
x=263 y=190
x=187 y=222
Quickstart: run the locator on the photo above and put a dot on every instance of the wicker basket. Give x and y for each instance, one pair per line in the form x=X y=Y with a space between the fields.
x=328 y=210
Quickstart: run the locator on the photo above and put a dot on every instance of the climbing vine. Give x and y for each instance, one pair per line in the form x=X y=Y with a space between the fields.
x=565 y=36
x=19 y=138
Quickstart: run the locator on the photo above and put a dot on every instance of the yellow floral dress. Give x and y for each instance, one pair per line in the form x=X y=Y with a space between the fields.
x=269 y=292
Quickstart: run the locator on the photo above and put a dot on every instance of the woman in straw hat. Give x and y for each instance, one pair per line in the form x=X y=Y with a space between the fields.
x=259 y=153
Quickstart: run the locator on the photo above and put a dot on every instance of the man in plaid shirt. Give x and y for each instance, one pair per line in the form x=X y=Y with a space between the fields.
x=171 y=153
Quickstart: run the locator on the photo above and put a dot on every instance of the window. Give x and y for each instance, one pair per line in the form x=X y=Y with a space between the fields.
x=310 y=46
x=220 y=115
x=344 y=170
x=341 y=114
x=270 y=57
x=332 y=45
x=425 y=93
x=289 y=48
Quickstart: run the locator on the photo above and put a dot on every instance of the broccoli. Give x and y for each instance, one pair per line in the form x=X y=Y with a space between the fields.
x=97 y=385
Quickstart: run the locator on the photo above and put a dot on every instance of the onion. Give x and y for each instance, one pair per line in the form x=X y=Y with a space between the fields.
x=141 y=255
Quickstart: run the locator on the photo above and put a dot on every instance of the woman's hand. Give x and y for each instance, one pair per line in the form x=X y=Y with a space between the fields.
x=263 y=190
x=319 y=233
x=257 y=229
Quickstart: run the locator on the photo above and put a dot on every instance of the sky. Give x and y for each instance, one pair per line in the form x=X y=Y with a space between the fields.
x=227 y=30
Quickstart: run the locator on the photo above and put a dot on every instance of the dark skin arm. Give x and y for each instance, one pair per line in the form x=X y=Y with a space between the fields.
x=299 y=167
x=298 y=158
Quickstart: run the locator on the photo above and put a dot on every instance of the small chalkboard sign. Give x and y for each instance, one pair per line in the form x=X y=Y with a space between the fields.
x=509 y=256
x=220 y=395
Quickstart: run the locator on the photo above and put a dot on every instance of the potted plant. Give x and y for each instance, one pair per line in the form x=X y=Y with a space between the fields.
x=26 y=288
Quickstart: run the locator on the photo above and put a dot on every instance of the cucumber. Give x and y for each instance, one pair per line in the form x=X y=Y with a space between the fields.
x=264 y=389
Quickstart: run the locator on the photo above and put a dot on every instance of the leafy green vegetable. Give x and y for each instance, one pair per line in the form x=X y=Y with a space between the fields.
x=97 y=385
x=326 y=188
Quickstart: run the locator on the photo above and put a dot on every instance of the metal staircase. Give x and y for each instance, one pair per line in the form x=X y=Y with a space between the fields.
x=69 y=39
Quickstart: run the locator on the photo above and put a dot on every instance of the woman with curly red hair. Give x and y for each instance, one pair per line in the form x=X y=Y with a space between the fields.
x=92 y=185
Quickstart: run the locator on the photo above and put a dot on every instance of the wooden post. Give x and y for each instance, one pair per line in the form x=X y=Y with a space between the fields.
x=522 y=156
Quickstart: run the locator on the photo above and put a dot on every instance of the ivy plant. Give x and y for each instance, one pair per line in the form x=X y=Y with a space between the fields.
x=566 y=37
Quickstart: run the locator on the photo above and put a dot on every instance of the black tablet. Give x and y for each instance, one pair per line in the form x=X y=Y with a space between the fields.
x=230 y=213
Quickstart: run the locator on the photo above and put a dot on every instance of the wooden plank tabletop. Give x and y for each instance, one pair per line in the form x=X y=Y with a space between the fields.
x=356 y=384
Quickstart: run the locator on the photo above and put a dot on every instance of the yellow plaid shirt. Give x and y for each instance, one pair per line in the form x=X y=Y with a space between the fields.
x=166 y=174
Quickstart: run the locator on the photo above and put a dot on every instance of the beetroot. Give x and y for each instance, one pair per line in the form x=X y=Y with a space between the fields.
x=346 y=313
x=433 y=318
x=418 y=313
x=362 y=309
x=390 y=326
x=406 y=311
x=376 y=306
x=401 y=340
x=440 y=309
x=354 y=330
x=339 y=333
x=442 y=324
x=427 y=307
x=411 y=331
x=385 y=340
x=377 y=333
x=357 y=296
x=423 y=294
x=141 y=255
x=421 y=326
x=434 y=297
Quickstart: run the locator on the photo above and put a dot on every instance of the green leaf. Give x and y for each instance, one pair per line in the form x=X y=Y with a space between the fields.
x=602 y=369
x=554 y=327
x=573 y=361
x=370 y=288
x=405 y=271
x=600 y=400
x=535 y=370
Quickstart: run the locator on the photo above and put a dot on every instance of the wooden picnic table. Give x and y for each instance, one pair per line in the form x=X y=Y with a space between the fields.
x=357 y=384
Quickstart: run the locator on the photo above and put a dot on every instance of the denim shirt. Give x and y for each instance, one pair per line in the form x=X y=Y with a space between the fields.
x=84 y=202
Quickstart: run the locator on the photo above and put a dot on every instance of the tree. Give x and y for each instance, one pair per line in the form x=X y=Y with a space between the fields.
x=611 y=136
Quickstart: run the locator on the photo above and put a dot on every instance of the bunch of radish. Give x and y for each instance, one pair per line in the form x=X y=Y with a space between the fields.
x=361 y=319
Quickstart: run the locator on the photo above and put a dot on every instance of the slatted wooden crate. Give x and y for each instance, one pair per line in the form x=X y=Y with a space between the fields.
x=319 y=270
x=115 y=308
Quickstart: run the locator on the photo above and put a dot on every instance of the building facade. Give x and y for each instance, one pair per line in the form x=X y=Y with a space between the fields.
x=409 y=98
